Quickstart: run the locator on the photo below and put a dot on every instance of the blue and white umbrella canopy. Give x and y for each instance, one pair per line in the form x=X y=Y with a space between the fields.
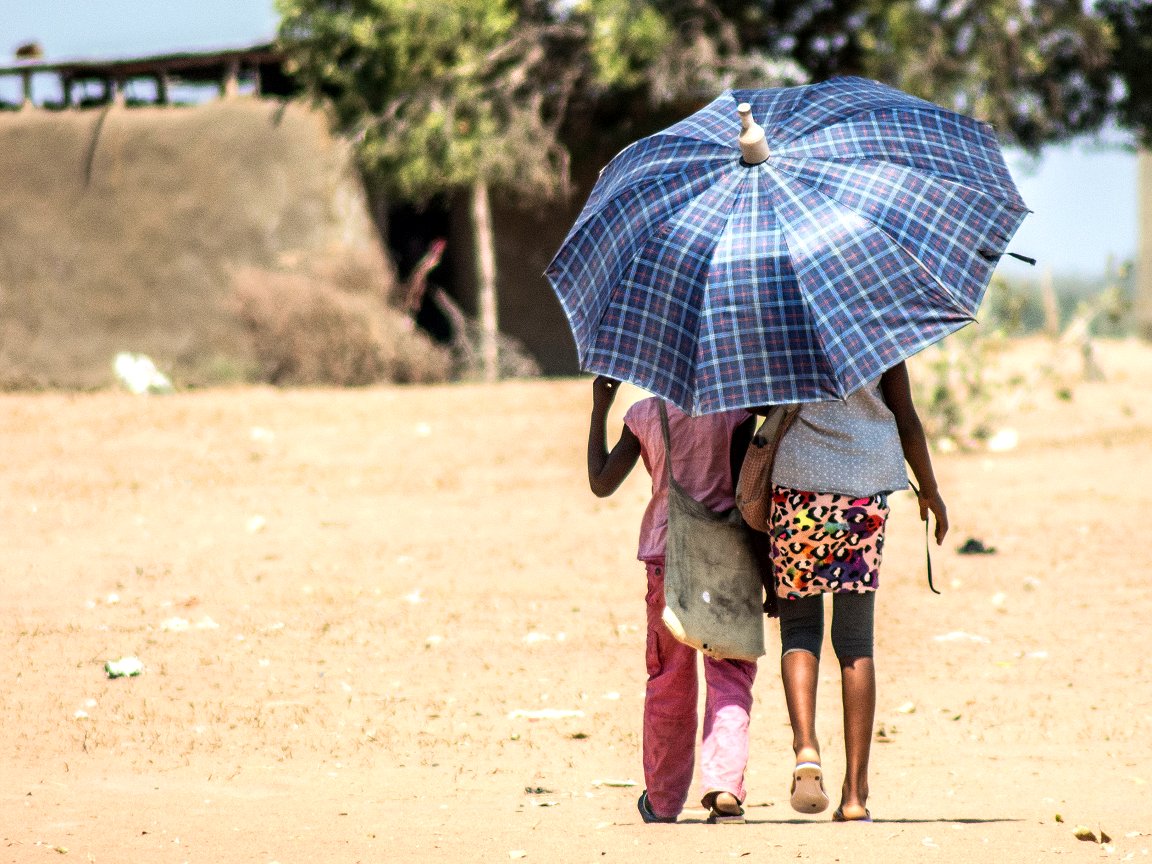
x=870 y=232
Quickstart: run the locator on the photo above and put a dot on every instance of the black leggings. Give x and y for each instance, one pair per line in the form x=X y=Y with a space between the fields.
x=853 y=617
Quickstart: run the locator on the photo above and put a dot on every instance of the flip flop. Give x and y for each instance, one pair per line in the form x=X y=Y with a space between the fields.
x=808 y=795
x=717 y=816
x=646 y=813
x=839 y=816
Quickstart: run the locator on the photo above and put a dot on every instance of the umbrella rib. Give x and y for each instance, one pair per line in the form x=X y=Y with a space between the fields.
x=951 y=297
x=928 y=109
x=641 y=183
x=801 y=288
x=880 y=228
x=1013 y=201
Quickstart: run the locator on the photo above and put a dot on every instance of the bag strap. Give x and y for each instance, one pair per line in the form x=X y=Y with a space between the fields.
x=927 y=543
x=667 y=441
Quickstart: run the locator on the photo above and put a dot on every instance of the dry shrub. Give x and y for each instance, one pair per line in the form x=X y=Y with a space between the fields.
x=306 y=331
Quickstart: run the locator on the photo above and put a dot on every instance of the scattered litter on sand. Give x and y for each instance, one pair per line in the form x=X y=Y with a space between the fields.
x=974 y=546
x=139 y=374
x=1003 y=441
x=543 y=714
x=961 y=636
x=125 y=667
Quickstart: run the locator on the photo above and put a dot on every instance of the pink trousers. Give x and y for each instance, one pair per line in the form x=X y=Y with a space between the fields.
x=670 y=714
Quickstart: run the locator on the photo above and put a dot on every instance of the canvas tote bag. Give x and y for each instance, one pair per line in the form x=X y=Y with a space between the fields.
x=713 y=592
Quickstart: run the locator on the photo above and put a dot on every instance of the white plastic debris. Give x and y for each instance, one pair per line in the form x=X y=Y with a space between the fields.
x=256 y=524
x=175 y=625
x=543 y=714
x=259 y=433
x=1003 y=441
x=125 y=667
x=907 y=708
x=960 y=636
x=139 y=374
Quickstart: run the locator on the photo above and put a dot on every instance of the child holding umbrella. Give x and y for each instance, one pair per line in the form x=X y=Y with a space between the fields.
x=834 y=469
x=706 y=452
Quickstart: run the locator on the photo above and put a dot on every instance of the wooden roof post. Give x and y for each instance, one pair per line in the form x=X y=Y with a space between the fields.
x=230 y=86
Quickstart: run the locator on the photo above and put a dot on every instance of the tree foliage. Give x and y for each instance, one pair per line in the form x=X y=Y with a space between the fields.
x=1037 y=70
x=438 y=95
x=441 y=94
x=1131 y=23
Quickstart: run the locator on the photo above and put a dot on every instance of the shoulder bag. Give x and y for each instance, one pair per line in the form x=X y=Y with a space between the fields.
x=713 y=589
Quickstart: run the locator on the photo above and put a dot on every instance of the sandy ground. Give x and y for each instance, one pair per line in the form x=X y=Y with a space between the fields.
x=342 y=599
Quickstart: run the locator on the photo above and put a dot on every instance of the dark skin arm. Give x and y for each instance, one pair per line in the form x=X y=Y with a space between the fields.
x=897 y=391
x=607 y=469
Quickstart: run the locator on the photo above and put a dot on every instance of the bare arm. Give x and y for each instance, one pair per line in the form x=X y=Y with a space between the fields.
x=897 y=390
x=607 y=470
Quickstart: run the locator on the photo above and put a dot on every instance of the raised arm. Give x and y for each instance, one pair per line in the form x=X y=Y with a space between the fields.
x=897 y=390
x=607 y=470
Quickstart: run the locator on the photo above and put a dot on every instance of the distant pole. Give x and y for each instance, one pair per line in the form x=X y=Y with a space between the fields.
x=230 y=86
x=27 y=88
x=486 y=280
x=1051 y=306
x=1143 y=300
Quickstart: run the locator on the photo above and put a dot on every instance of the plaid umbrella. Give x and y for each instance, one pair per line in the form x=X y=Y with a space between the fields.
x=870 y=231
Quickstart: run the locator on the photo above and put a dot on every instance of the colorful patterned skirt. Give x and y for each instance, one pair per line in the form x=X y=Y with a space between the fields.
x=825 y=542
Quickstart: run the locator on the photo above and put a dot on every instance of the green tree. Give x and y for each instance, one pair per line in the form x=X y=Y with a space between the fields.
x=444 y=96
x=1131 y=23
x=1037 y=70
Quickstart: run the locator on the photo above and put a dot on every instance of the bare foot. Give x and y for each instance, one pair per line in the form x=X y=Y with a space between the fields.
x=852 y=813
x=725 y=802
x=723 y=809
x=807 y=754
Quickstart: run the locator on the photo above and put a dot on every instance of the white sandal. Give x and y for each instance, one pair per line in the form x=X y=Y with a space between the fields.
x=808 y=795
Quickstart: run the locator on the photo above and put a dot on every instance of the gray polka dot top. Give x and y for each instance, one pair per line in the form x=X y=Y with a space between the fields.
x=850 y=447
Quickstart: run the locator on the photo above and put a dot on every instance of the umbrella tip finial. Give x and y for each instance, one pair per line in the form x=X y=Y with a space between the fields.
x=752 y=143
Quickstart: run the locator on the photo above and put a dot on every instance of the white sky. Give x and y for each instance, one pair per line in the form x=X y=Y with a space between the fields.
x=1083 y=195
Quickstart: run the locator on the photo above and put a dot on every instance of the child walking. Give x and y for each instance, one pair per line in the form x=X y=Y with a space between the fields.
x=706 y=454
x=833 y=471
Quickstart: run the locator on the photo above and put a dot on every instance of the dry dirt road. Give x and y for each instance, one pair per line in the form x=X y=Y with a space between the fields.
x=344 y=600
